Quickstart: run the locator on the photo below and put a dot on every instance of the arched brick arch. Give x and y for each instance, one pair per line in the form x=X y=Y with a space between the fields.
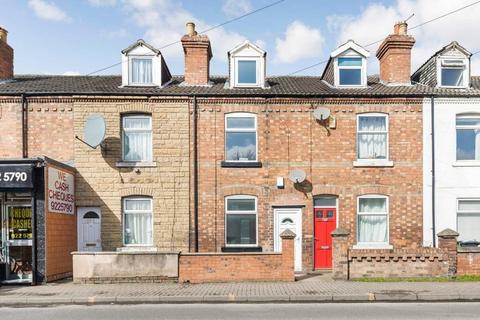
x=136 y=191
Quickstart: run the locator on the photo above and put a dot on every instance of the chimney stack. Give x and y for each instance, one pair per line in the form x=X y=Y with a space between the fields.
x=394 y=55
x=6 y=57
x=198 y=53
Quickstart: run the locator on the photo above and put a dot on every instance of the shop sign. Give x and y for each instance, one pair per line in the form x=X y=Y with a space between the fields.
x=61 y=192
x=16 y=176
x=20 y=222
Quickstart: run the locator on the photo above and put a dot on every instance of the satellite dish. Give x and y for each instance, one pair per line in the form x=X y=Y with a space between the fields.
x=321 y=113
x=94 y=130
x=297 y=176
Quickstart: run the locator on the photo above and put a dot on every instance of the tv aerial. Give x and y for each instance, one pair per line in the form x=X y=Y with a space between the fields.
x=94 y=131
x=297 y=176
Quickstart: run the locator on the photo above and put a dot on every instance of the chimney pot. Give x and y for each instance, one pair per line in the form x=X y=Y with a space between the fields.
x=191 y=29
x=3 y=35
x=400 y=28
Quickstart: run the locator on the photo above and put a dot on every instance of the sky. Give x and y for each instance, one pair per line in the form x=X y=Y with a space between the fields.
x=81 y=36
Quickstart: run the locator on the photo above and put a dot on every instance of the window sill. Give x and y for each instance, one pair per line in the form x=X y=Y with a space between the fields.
x=373 y=246
x=127 y=164
x=466 y=164
x=241 y=249
x=138 y=248
x=373 y=163
x=241 y=164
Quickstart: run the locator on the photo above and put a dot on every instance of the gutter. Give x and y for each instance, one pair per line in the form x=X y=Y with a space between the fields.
x=24 y=126
x=432 y=120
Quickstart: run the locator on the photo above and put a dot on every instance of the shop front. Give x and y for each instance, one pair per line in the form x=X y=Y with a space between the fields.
x=28 y=232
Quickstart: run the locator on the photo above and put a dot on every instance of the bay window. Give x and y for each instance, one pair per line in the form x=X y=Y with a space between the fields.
x=468 y=219
x=241 y=220
x=372 y=220
x=240 y=137
x=468 y=137
x=137 y=138
x=372 y=136
x=137 y=221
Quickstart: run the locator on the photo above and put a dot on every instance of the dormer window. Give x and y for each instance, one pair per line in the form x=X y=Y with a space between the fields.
x=143 y=65
x=347 y=66
x=453 y=73
x=247 y=66
x=141 y=71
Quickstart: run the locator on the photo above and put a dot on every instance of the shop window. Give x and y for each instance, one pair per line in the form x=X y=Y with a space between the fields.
x=241 y=221
x=137 y=221
x=372 y=220
x=241 y=137
x=137 y=138
x=468 y=220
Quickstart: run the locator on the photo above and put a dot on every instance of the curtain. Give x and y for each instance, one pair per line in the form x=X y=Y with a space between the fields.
x=138 y=221
x=372 y=145
x=137 y=139
x=372 y=228
x=141 y=71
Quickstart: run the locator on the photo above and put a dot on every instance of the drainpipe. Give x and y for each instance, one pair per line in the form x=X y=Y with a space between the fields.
x=24 y=126
x=195 y=172
x=432 y=114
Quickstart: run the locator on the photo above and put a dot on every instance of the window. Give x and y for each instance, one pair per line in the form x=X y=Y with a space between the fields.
x=241 y=137
x=137 y=221
x=241 y=221
x=372 y=224
x=468 y=137
x=350 y=71
x=137 y=138
x=141 y=71
x=453 y=73
x=372 y=136
x=325 y=201
x=468 y=220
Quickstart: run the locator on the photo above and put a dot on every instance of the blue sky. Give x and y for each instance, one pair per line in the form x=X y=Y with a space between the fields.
x=81 y=36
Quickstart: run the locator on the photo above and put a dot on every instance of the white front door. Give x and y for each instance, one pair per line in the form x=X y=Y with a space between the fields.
x=289 y=218
x=89 y=229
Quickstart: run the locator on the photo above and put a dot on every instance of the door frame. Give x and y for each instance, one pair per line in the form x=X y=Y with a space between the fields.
x=276 y=230
x=80 y=213
x=337 y=211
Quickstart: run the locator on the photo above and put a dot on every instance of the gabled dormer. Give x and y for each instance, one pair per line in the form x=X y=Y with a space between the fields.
x=447 y=68
x=347 y=66
x=247 y=66
x=143 y=65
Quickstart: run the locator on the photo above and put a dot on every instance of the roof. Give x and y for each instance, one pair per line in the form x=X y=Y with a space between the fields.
x=244 y=44
x=141 y=43
x=350 y=45
x=281 y=86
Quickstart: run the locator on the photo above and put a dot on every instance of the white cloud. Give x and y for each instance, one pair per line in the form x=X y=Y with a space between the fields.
x=300 y=42
x=377 y=20
x=102 y=3
x=235 y=8
x=164 y=23
x=48 y=11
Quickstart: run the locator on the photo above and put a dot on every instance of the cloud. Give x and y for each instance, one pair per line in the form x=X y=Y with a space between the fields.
x=300 y=42
x=236 y=8
x=48 y=11
x=376 y=21
x=116 y=34
x=71 y=73
x=164 y=24
x=103 y=3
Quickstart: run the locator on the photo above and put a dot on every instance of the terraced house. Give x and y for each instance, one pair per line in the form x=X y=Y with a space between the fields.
x=224 y=165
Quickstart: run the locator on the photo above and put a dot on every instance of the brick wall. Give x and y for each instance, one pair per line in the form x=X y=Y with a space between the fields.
x=101 y=183
x=11 y=124
x=288 y=138
x=468 y=262
x=6 y=60
x=237 y=267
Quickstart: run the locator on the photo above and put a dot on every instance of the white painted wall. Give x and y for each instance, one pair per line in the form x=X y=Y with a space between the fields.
x=453 y=180
x=142 y=52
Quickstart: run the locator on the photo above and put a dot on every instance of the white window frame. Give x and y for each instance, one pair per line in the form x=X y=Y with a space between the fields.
x=386 y=244
x=227 y=130
x=466 y=211
x=442 y=63
x=465 y=116
x=124 y=199
x=363 y=73
x=257 y=72
x=125 y=116
x=358 y=132
x=130 y=71
x=227 y=212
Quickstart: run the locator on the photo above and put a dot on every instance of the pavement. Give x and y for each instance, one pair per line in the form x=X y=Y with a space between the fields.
x=318 y=288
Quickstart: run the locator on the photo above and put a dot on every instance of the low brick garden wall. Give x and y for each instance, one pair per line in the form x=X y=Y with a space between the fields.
x=468 y=261
x=237 y=267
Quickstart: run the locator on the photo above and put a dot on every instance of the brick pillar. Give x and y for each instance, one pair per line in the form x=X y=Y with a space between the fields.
x=447 y=240
x=288 y=254
x=340 y=253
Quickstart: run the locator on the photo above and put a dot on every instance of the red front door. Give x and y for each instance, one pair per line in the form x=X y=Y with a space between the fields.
x=325 y=223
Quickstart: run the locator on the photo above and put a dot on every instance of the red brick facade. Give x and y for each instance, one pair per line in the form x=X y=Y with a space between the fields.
x=6 y=57
x=289 y=137
x=197 y=59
